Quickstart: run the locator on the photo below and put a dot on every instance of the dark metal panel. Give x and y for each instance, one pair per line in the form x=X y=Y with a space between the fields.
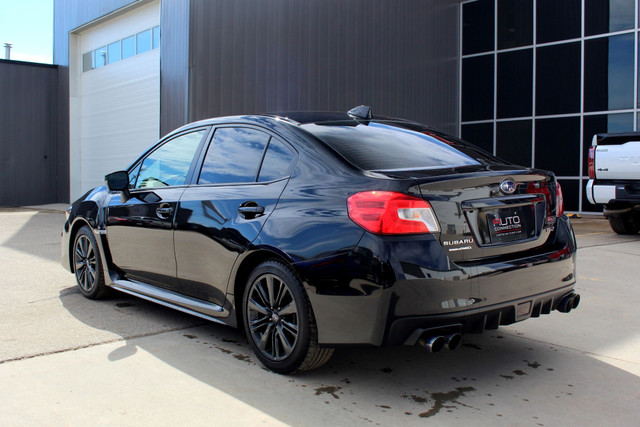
x=28 y=126
x=275 y=55
x=174 y=64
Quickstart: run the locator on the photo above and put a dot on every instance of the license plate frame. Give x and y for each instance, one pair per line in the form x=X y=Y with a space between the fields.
x=510 y=224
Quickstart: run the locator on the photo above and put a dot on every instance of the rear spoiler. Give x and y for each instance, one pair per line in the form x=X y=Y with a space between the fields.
x=615 y=138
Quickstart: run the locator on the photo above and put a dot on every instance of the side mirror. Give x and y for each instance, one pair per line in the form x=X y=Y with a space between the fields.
x=118 y=181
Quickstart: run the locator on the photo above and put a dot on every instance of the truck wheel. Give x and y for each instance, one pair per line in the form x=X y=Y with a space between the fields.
x=626 y=223
x=279 y=322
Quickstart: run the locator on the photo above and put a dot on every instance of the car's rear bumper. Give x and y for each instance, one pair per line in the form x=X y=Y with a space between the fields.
x=391 y=297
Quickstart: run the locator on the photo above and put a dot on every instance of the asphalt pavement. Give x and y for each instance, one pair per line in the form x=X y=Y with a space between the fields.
x=66 y=360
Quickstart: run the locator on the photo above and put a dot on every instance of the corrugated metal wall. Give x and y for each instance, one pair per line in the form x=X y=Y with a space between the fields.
x=400 y=57
x=29 y=151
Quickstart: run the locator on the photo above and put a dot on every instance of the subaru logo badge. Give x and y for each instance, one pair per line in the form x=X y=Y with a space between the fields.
x=507 y=186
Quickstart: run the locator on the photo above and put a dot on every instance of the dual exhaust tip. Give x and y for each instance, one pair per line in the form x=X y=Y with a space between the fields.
x=436 y=343
x=569 y=302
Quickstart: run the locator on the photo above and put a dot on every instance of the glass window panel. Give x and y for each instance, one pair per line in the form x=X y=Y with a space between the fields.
x=87 y=61
x=143 y=41
x=558 y=20
x=558 y=145
x=128 y=47
x=169 y=164
x=233 y=156
x=277 y=161
x=477 y=26
x=514 y=82
x=513 y=141
x=607 y=16
x=602 y=123
x=156 y=37
x=571 y=194
x=515 y=23
x=114 y=52
x=477 y=88
x=479 y=134
x=608 y=73
x=558 y=79
x=100 y=56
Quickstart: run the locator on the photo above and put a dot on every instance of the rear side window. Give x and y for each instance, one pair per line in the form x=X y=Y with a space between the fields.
x=277 y=161
x=234 y=156
x=169 y=164
x=380 y=146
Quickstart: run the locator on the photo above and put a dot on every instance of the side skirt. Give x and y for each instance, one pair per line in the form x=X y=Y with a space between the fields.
x=203 y=309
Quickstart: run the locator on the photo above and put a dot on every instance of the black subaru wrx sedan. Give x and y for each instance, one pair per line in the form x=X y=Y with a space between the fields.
x=314 y=230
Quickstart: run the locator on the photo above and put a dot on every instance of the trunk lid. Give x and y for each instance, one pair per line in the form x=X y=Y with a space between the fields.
x=489 y=213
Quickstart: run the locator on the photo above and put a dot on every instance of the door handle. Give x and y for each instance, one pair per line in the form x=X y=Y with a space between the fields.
x=163 y=212
x=250 y=210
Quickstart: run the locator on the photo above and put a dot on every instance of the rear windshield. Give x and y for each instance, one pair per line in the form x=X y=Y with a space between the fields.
x=397 y=146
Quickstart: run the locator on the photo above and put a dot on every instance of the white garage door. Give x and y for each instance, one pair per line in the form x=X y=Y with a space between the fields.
x=118 y=93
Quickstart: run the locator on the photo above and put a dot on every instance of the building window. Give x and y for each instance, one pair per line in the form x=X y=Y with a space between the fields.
x=100 y=55
x=558 y=20
x=143 y=42
x=479 y=134
x=608 y=73
x=538 y=78
x=113 y=51
x=128 y=47
x=477 y=26
x=513 y=141
x=557 y=142
x=122 y=49
x=515 y=23
x=477 y=88
x=515 y=73
x=608 y=16
x=558 y=79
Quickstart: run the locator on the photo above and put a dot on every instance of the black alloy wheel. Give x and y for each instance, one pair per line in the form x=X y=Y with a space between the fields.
x=278 y=321
x=87 y=265
x=273 y=317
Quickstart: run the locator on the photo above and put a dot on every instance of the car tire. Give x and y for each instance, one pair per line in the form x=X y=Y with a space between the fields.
x=278 y=321
x=87 y=265
x=626 y=223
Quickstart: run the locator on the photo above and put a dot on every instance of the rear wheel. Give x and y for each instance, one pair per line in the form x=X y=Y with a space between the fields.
x=87 y=265
x=626 y=223
x=278 y=321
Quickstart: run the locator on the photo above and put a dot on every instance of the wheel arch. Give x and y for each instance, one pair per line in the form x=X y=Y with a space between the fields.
x=244 y=269
x=73 y=232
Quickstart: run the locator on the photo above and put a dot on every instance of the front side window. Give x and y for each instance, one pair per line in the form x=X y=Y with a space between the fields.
x=233 y=156
x=169 y=164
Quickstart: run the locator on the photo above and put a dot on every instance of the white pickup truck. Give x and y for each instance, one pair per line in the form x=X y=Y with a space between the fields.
x=614 y=172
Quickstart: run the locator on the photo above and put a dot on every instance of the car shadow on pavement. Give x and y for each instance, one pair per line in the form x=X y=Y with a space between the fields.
x=499 y=377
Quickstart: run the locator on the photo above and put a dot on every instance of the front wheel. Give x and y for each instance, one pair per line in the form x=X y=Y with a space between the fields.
x=87 y=265
x=278 y=321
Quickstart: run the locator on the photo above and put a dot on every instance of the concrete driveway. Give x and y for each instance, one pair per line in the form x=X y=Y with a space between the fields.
x=65 y=360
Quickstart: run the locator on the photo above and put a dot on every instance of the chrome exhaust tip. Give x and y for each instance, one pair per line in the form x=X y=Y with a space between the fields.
x=433 y=344
x=568 y=303
x=454 y=341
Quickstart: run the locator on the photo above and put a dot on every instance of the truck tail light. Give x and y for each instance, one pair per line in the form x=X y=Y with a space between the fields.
x=387 y=212
x=592 y=162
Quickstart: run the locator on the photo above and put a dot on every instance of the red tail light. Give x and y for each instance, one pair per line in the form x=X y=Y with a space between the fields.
x=541 y=188
x=387 y=212
x=559 y=200
x=592 y=162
